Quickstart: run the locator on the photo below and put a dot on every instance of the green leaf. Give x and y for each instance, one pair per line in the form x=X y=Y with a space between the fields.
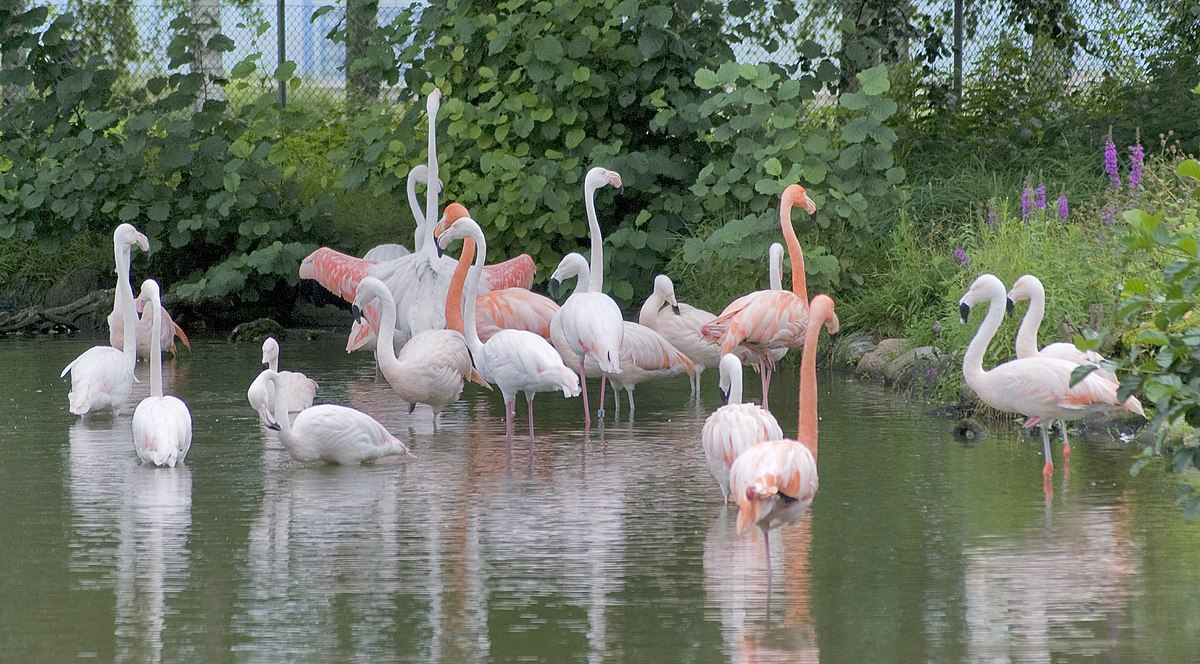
x=706 y=79
x=573 y=138
x=773 y=167
x=874 y=80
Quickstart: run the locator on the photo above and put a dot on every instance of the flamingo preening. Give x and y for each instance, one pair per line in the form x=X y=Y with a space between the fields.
x=299 y=390
x=734 y=427
x=590 y=320
x=680 y=325
x=1037 y=387
x=515 y=360
x=162 y=424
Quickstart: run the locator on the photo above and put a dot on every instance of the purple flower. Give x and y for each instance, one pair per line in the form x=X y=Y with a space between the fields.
x=961 y=255
x=937 y=329
x=1138 y=153
x=1110 y=162
x=1039 y=197
x=1025 y=202
x=1063 y=209
x=930 y=372
x=991 y=219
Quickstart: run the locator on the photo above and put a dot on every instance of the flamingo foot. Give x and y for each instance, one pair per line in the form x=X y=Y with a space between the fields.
x=1067 y=452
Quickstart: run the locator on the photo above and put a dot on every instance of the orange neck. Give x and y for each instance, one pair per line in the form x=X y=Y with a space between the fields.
x=454 y=317
x=820 y=312
x=795 y=254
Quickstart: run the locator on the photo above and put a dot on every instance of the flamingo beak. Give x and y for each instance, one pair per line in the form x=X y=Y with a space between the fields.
x=555 y=284
x=1008 y=307
x=675 y=309
x=724 y=396
x=265 y=366
x=273 y=426
x=964 y=310
x=358 y=313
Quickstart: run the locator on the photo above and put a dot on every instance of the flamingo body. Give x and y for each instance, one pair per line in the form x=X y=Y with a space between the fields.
x=162 y=424
x=101 y=377
x=680 y=323
x=298 y=390
x=773 y=482
x=734 y=427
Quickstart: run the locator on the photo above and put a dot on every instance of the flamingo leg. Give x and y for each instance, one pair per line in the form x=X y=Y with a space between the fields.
x=764 y=374
x=600 y=413
x=1048 y=469
x=616 y=401
x=629 y=392
x=1066 y=443
x=510 y=408
x=587 y=413
x=529 y=403
x=767 y=546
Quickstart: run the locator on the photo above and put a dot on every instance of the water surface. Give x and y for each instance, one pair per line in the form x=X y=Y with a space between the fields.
x=610 y=545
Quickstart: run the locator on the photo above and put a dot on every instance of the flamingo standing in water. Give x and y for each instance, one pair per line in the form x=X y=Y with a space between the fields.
x=734 y=427
x=1037 y=387
x=331 y=433
x=681 y=326
x=515 y=360
x=775 y=481
x=102 y=376
x=299 y=390
x=431 y=367
x=765 y=320
x=590 y=320
x=1029 y=287
x=500 y=309
x=123 y=239
x=162 y=425
x=645 y=354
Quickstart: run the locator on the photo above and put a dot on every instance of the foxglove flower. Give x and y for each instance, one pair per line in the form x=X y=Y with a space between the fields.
x=1063 y=210
x=1110 y=162
x=961 y=255
x=1025 y=202
x=1039 y=197
x=1138 y=155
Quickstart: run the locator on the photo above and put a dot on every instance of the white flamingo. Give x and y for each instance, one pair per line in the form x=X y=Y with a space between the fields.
x=1037 y=387
x=515 y=360
x=680 y=326
x=332 y=433
x=645 y=354
x=298 y=388
x=125 y=237
x=431 y=367
x=734 y=427
x=162 y=425
x=102 y=376
x=590 y=320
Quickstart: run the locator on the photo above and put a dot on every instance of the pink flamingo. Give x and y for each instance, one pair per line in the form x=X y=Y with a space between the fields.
x=734 y=427
x=1037 y=387
x=645 y=354
x=591 y=321
x=515 y=360
x=162 y=425
x=298 y=389
x=681 y=327
x=501 y=309
x=765 y=320
x=775 y=481
x=431 y=368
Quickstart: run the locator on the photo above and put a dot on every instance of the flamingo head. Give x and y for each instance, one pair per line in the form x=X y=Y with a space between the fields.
x=598 y=177
x=1025 y=288
x=270 y=351
x=754 y=504
x=149 y=293
x=664 y=287
x=571 y=265
x=796 y=196
x=126 y=235
x=459 y=228
x=983 y=289
x=451 y=214
x=433 y=102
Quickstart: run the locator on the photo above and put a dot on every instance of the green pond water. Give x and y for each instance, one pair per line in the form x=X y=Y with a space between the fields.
x=609 y=545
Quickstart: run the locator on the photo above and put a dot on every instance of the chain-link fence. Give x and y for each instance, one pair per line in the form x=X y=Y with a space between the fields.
x=1118 y=35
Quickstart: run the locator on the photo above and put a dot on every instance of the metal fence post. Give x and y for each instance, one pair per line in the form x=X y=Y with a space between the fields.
x=279 y=33
x=958 y=51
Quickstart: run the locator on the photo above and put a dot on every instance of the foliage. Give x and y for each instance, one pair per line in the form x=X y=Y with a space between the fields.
x=1164 y=356
x=205 y=184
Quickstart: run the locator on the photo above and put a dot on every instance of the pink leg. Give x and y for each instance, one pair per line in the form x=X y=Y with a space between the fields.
x=529 y=402
x=603 y=379
x=587 y=412
x=765 y=376
x=510 y=408
x=767 y=544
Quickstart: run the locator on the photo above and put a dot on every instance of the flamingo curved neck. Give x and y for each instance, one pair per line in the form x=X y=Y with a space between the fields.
x=454 y=296
x=473 y=276
x=1027 y=334
x=582 y=274
x=273 y=363
x=595 y=278
x=652 y=305
x=156 y=387
x=414 y=205
x=973 y=359
x=385 y=352
x=281 y=414
x=123 y=305
x=775 y=270
x=795 y=254
x=428 y=243
x=735 y=384
x=806 y=429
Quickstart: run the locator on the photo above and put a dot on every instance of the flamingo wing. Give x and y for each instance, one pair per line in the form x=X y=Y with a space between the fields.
x=339 y=434
x=764 y=473
x=761 y=320
x=339 y=273
x=731 y=430
x=516 y=272
x=162 y=430
x=514 y=309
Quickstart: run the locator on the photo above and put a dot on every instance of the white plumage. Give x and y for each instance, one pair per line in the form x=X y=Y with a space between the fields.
x=162 y=425
x=299 y=390
x=734 y=427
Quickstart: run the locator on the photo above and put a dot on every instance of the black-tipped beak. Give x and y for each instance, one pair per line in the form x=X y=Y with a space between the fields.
x=555 y=284
x=437 y=246
x=358 y=314
x=724 y=397
x=273 y=426
x=964 y=310
x=266 y=365
x=675 y=309
x=833 y=338
x=812 y=216
x=1008 y=306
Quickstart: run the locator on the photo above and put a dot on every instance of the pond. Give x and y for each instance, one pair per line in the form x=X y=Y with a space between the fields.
x=610 y=545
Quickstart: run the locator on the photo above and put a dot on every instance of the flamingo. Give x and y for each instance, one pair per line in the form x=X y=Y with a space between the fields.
x=775 y=481
x=124 y=238
x=331 y=433
x=515 y=360
x=102 y=376
x=590 y=320
x=162 y=425
x=765 y=320
x=1029 y=287
x=1037 y=387
x=645 y=354
x=432 y=366
x=775 y=280
x=734 y=427
x=681 y=326
x=500 y=309
x=298 y=388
